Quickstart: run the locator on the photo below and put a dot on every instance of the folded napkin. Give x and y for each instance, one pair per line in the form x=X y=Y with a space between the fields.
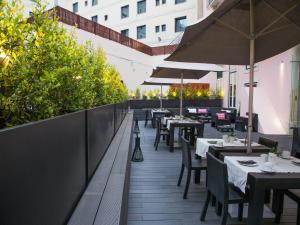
x=246 y=162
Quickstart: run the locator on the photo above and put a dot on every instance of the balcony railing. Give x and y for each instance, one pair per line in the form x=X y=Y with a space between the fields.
x=70 y=18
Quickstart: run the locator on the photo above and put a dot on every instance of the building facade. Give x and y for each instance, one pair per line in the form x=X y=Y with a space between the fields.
x=277 y=89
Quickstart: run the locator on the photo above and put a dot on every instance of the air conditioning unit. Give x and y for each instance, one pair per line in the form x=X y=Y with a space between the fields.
x=214 y=4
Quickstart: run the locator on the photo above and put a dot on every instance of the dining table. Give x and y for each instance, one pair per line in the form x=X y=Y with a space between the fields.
x=159 y=113
x=173 y=122
x=278 y=174
x=212 y=145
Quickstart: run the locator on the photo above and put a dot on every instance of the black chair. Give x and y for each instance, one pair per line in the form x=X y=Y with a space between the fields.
x=192 y=134
x=147 y=117
x=218 y=186
x=160 y=132
x=190 y=164
x=294 y=194
x=268 y=142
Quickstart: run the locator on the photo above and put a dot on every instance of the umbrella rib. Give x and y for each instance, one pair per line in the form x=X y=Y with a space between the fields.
x=274 y=30
x=281 y=15
x=232 y=28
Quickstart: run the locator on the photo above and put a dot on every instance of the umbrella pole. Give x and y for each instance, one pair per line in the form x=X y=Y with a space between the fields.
x=251 y=78
x=181 y=87
x=161 y=96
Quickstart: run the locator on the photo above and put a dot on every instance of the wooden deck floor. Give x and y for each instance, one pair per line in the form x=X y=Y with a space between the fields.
x=154 y=198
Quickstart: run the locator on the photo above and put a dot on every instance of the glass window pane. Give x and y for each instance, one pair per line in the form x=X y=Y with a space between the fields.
x=141 y=7
x=95 y=19
x=163 y=2
x=157 y=29
x=141 y=32
x=180 y=24
x=125 y=11
x=125 y=32
x=179 y=1
x=163 y=27
x=75 y=7
x=157 y=2
x=94 y=2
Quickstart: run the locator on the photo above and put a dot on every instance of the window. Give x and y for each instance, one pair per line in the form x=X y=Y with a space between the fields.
x=180 y=24
x=163 y=2
x=141 y=32
x=95 y=19
x=125 y=11
x=86 y=3
x=163 y=27
x=75 y=7
x=141 y=7
x=105 y=17
x=157 y=2
x=179 y=1
x=232 y=86
x=94 y=2
x=157 y=29
x=125 y=32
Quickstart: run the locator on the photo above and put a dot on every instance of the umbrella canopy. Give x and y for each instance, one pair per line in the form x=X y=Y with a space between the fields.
x=170 y=69
x=166 y=82
x=242 y=32
x=224 y=36
x=184 y=71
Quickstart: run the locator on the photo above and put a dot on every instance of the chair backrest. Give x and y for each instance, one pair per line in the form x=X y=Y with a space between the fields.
x=147 y=112
x=296 y=142
x=217 y=178
x=267 y=142
x=186 y=153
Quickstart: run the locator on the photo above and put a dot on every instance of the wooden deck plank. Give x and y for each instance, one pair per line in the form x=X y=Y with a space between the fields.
x=154 y=198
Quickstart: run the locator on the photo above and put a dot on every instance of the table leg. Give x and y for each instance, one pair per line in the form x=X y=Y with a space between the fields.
x=171 y=141
x=277 y=204
x=197 y=176
x=256 y=204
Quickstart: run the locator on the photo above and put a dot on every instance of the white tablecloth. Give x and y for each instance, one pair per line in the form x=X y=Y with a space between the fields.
x=159 y=111
x=202 y=145
x=179 y=121
x=237 y=174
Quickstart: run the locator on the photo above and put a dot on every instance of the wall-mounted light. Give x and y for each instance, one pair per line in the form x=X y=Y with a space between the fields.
x=282 y=68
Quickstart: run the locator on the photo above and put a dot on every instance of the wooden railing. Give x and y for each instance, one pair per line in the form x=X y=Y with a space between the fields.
x=72 y=19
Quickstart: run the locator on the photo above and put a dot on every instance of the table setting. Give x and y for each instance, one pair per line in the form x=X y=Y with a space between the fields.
x=203 y=144
x=239 y=166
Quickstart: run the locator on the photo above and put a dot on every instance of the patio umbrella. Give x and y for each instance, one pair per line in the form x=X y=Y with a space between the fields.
x=242 y=32
x=183 y=70
x=163 y=82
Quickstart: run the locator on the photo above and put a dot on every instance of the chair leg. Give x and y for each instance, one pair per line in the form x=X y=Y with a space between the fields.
x=188 y=180
x=224 y=214
x=219 y=209
x=158 y=140
x=298 y=214
x=155 y=140
x=204 y=210
x=241 y=209
x=180 y=175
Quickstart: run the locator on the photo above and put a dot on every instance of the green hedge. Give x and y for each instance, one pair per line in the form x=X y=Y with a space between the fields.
x=45 y=72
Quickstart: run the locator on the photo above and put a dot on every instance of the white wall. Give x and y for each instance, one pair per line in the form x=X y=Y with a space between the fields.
x=155 y=15
x=133 y=65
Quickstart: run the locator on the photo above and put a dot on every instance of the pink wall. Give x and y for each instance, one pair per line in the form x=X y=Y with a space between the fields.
x=271 y=96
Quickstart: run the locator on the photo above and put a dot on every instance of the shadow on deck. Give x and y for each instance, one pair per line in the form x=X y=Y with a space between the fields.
x=154 y=198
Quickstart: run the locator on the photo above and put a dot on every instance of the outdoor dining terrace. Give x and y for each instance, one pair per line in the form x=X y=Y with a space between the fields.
x=155 y=198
